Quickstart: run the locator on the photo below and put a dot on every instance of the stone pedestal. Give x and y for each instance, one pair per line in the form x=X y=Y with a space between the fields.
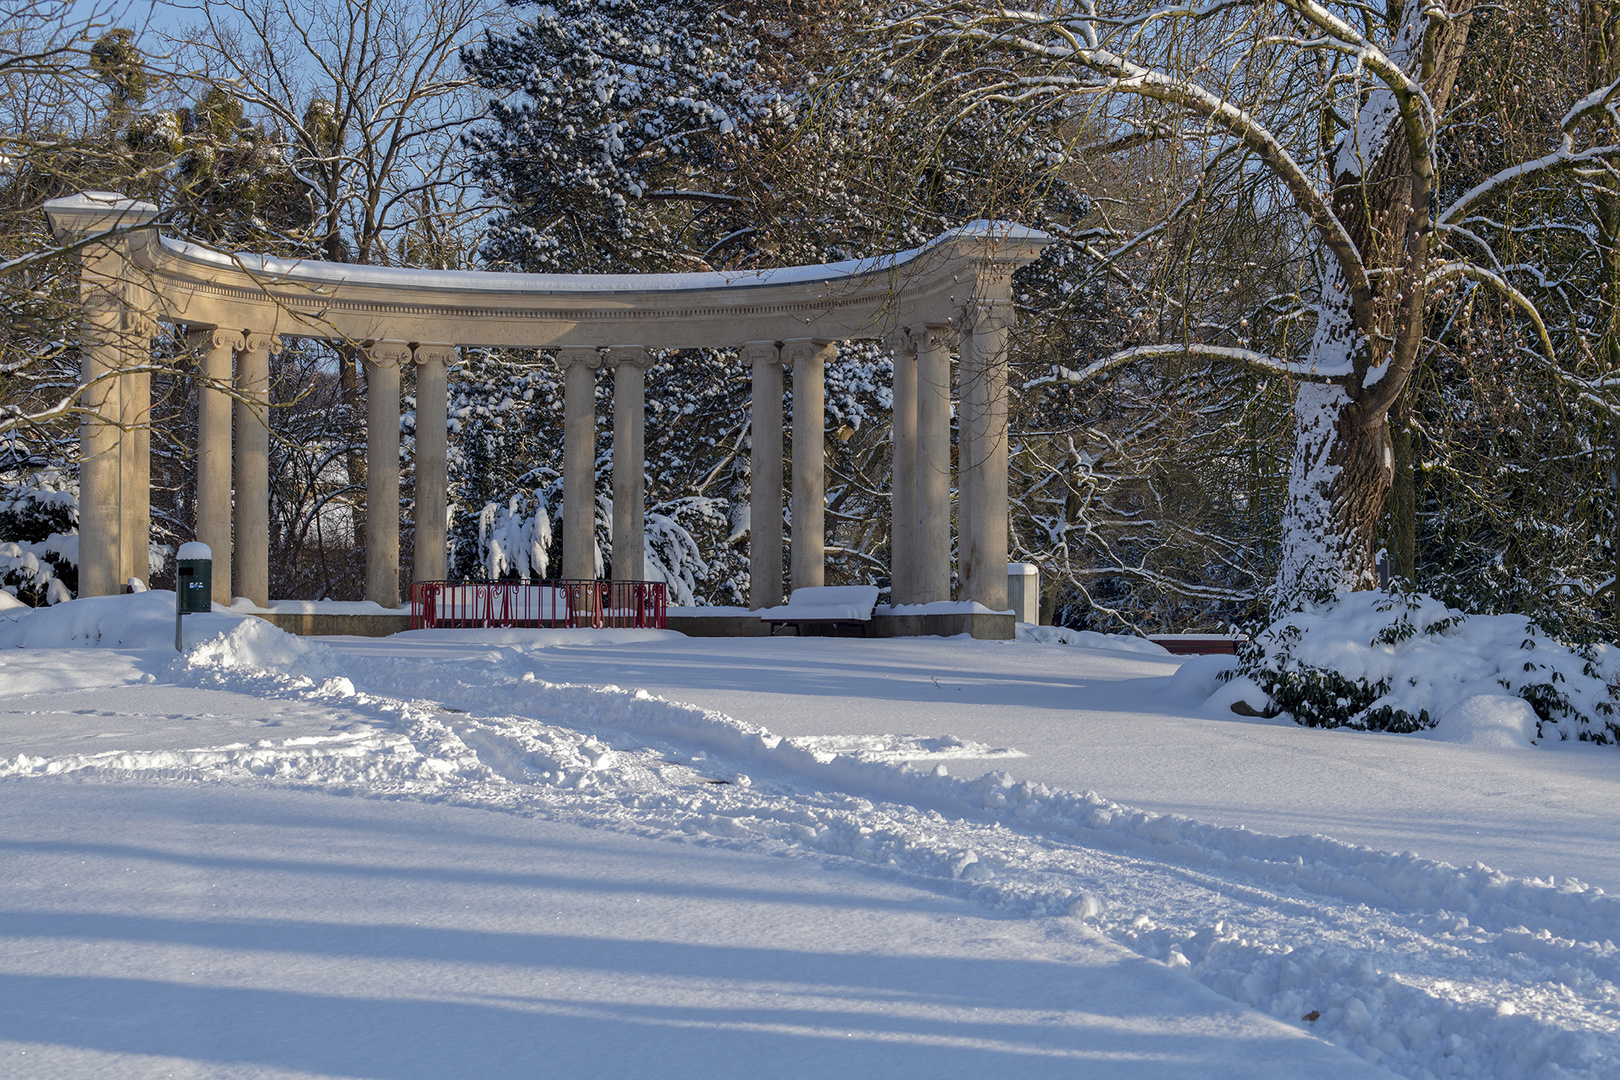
x=1024 y=591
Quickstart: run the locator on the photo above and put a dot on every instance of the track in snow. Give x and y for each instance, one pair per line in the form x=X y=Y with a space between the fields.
x=1421 y=967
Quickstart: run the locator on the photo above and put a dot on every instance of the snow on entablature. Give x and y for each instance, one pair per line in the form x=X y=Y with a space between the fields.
x=311 y=272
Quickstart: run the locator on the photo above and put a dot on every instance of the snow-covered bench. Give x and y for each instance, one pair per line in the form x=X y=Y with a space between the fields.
x=825 y=605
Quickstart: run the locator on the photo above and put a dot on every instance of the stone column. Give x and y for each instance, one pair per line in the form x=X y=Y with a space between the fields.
x=383 y=360
x=765 y=475
x=579 y=461
x=218 y=348
x=432 y=461
x=809 y=358
x=967 y=405
x=100 y=520
x=903 y=473
x=104 y=226
x=932 y=578
x=252 y=548
x=985 y=540
x=135 y=457
x=629 y=462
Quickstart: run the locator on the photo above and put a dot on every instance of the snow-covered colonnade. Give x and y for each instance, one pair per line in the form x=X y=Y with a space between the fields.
x=954 y=291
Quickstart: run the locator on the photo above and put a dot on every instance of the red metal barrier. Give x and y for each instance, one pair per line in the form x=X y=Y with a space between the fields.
x=552 y=604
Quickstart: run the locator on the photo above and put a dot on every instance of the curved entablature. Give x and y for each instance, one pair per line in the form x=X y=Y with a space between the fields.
x=864 y=298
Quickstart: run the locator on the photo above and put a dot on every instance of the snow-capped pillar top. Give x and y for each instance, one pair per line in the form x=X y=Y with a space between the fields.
x=92 y=213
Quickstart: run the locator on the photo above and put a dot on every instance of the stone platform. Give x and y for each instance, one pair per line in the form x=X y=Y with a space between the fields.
x=727 y=622
x=730 y=622
x=314 y=623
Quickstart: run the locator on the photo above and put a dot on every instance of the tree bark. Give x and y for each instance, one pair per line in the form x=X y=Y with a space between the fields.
x=1343 y=462
x=1403 y=494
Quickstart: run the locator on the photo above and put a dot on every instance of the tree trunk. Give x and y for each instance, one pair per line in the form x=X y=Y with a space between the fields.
x=1600 y=29
x=1403 y=494
x=1343 y=462
x=1337 y=484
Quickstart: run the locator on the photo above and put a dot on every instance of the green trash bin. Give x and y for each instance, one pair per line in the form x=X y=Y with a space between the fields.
x=194 y=584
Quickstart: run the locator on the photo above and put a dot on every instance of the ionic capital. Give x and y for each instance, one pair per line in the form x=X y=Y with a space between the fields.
x=255 y=341
x=981 y=315
x=387 y=353
x=434 y=353
x=138 y=323
x=209 y=338
x=901 y=343
x=796 y=350
x=588 y=355
x=762 y=352
x=931 y=335
x=635 y=356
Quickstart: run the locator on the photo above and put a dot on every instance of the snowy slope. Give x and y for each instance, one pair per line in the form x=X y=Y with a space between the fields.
x=1410 y=963
x=1111 y=722
x=220 y=930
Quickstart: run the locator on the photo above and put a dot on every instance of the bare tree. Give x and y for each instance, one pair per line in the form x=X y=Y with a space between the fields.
x=53 y=140
x=1334 y=112
x=370 y=100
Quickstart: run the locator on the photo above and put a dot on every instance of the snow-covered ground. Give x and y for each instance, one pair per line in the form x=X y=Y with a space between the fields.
x=473 y=853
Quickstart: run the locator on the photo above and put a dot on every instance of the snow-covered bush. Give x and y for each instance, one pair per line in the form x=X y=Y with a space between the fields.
x=1398 y=661
x=515 y=539
x=39 y=504
x=673 y=554
x=39 y=549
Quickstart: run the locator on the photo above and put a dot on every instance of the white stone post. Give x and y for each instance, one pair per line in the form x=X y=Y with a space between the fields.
x=629 y=462
x=1024 y=591
x=809 y=358
x=932 y=580
x=252 y=549
x=383 y=360
x=903 y=472
x=579 y=461
x=765 y=475
x=982 y=546
x=218 y=350
x=432 y=483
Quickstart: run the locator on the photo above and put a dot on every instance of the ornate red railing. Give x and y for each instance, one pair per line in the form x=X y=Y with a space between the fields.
x=478 y=604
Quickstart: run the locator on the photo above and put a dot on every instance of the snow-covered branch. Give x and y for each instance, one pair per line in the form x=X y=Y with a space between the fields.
x=1225 y=354
x=1506 y=178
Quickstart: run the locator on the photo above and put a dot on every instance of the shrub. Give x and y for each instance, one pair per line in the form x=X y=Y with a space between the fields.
x=1397 y=661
